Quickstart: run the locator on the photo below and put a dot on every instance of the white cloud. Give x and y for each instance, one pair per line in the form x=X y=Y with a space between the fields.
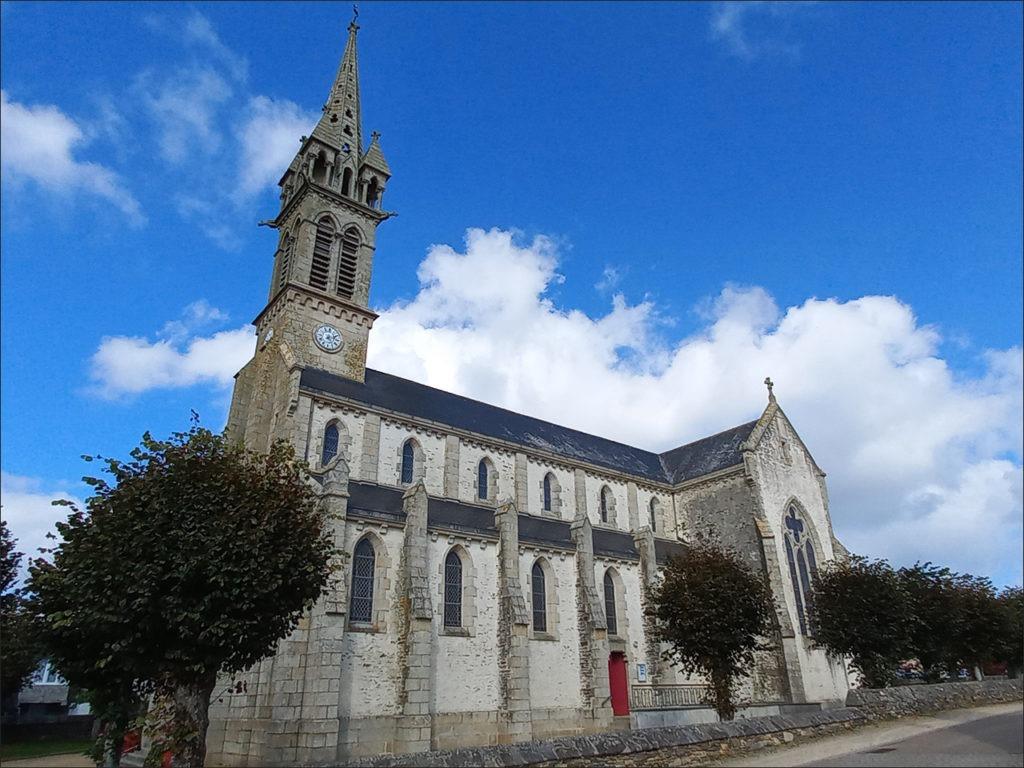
x=747 y=27
x=919 y=456
x=130 y=365
x=30 y=514
x=183 y=108
x=269 y=140
x=198 y=30
x=38 y=143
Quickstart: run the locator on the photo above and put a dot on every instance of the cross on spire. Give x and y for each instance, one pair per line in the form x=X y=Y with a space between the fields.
x=770 y=384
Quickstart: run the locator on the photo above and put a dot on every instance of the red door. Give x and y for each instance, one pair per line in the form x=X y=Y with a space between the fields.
x=618 y=683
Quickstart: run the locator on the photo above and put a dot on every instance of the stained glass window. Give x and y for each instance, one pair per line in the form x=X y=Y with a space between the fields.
x=540 y=599
x=363 y=563
x=609 y=604
x=803 y=565
x=453 y=590
x=481 y=479
x=408 y=457
x=330 y=443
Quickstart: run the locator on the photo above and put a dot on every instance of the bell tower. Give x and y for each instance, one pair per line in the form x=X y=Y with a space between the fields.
x=317 y=313
x=331 y=203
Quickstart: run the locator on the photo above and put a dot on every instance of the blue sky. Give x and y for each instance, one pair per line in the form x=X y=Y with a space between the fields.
x=831 y=192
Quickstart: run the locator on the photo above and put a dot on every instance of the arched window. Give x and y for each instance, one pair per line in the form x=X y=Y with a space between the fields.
x=609 y=604
x=654 y=515
x=330 y=449
x=320 y=268
x=408 y=462
x=363 y=564
x=320 y=168
x=346 y=182
x=605 y=503
x=453 y=590
x=372 y=193
x=482 y=479
x=347 y=263
x=286 y=259
x=540 y=598
x=547 y=492
x=803 y=565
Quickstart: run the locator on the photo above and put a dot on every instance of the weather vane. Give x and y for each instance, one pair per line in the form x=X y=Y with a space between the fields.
x=355 y=12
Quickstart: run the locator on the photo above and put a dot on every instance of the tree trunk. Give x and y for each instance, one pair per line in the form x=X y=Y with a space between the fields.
x=112 y=748
x=192 y=719
x=721 y=686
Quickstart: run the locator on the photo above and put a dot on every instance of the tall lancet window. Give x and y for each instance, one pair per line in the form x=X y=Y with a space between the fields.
x=803 y=565
x=540 y=598
x=605 y=503
x=654 y=515
x=482 y=478
x=408 y=462
x=330 y=449
x=453 y=590
x=364 y=560
x=611 y=615
x=320 y=269
x=547 y=492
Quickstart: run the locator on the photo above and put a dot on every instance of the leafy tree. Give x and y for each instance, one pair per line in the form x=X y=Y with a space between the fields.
x=862 y=610
x=931 y=590
x=1009 y=646
x=975 y=625
x=195 y=559
x=712 y=611
x=19 y=651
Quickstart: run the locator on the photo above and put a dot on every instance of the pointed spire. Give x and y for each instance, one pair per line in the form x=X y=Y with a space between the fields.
x=374 y=157
x=341 y=123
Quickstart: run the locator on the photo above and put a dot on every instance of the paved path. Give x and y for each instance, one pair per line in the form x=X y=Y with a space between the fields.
x=983 y=736
x=68 y=760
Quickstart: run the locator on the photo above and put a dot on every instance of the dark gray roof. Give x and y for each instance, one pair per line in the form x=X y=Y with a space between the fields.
x=706 y=455
x=537 y=530
x=614 y=544
x=409 y=397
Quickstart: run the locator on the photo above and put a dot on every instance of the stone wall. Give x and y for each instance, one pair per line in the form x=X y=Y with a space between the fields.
x=880 y=703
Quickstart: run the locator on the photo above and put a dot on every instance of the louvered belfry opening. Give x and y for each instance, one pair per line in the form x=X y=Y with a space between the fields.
x=347 y=263
x=286 y=258
x=320 y=269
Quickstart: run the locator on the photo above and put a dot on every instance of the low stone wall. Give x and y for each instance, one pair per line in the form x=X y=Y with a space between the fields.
x=883 y=703
x=681 y=745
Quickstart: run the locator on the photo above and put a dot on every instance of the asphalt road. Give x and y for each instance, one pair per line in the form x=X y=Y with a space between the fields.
x=982 y=736
x=991 y=741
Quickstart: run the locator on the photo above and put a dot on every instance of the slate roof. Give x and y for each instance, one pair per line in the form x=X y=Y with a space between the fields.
x=409 y=397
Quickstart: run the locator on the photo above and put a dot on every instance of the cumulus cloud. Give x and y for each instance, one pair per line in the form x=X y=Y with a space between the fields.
x=183 y=109
x=921 y=457
x=749 y=28
x=39 y=144
x=29 y=512
x=178 y=357
x=269 y=140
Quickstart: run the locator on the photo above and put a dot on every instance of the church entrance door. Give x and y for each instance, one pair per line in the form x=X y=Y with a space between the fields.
x=618 y=683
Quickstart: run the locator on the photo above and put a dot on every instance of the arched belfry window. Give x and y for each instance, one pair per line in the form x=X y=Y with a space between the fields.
x=547 y=492
x=330 y=449
x=539 y=598
x=611 y=614
x=372 y=192
x=286 y=260
x=346 y=283
x=346 y=182
x=803 y=565
x=408 y=462
x=453 y=590
x=364 y=561
x=320 y=268
x=320 y=168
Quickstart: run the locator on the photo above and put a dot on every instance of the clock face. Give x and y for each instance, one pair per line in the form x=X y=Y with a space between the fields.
x=327 y=337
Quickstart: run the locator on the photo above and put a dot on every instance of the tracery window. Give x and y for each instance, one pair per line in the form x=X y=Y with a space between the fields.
x=540 y=598
x=803 y=565
x=330 y=449
x=453 y=590
x=609 y=604
x=364 y=561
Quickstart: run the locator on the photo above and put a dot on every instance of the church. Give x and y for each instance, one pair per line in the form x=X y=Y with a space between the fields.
x=493 y=586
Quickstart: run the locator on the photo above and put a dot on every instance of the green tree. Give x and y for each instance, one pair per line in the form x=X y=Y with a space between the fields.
x=862 y=610
x=712 y=611
x=19 y=651
x=932 y=593
x=976 y=620
x=1010 y=640
x=195 y=559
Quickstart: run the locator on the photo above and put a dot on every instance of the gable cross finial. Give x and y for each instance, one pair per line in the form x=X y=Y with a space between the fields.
x=770 y=384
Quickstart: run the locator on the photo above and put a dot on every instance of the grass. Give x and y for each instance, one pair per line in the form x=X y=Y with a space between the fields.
x=22 y=749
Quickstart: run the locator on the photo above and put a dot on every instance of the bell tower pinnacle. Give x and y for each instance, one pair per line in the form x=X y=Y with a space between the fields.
x=318 y=304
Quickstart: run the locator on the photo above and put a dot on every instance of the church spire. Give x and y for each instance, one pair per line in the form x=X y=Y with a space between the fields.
x=341 y=124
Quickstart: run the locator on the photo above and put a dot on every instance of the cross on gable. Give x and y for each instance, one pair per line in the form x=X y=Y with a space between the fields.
x=795 y=525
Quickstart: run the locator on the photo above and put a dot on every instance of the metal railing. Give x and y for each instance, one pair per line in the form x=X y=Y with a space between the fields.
x=667 y=696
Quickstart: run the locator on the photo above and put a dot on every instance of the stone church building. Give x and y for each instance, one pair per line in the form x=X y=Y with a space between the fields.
x=496 y=565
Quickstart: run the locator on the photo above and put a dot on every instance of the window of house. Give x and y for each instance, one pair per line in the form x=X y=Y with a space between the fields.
x=363 y=564
x=540 y=599
x=330 y=449
x=609 y=604
x=453 y=590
